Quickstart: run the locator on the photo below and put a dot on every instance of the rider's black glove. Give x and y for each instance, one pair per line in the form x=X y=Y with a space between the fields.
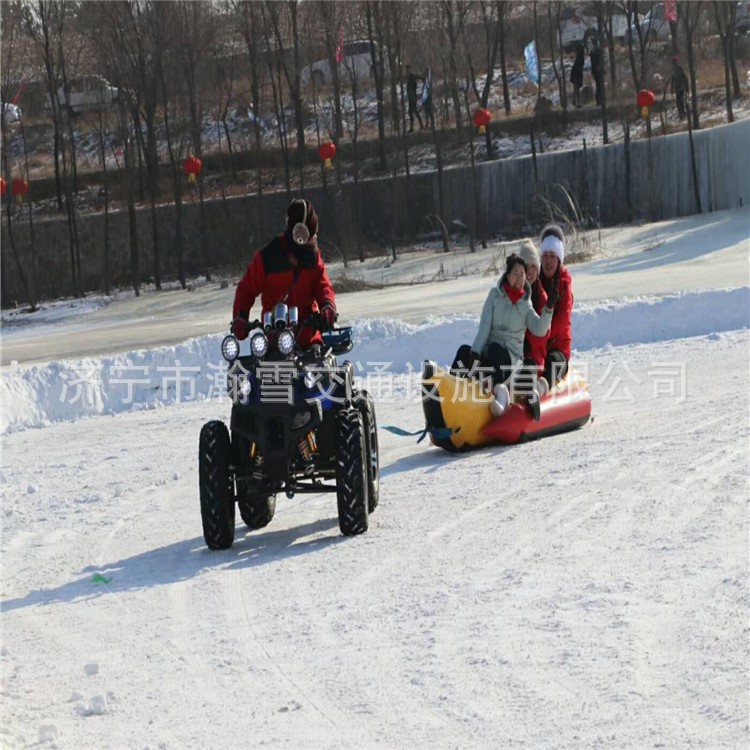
x=327 y=316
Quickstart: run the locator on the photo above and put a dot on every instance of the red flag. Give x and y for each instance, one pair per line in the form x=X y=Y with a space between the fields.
x=340 y=48
x=17 y=96
x=670 y=10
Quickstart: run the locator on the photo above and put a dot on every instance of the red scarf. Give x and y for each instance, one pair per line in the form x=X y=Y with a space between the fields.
x=513 y=294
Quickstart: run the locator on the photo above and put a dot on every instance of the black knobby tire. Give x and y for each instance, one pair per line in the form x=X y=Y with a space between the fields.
x=256 y=510
x=370 y=423
x=216 y=493
x=351 y=473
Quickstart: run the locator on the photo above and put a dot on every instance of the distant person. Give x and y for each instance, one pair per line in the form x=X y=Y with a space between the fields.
x=597 y=69
x=411 y=96
x=576 y=75
x=678 y=86
x=558 y=285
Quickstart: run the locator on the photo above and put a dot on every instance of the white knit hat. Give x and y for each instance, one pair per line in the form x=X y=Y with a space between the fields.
x=529 y=254
x=553 y=242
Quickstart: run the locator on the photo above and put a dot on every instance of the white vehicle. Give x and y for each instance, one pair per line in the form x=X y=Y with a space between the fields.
x=654 y=27
x=86 y=94
x=11 y=114
x=357 y=60
x=577 y=27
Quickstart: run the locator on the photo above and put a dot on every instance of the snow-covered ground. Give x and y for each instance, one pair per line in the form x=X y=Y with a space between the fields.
x=585 y=590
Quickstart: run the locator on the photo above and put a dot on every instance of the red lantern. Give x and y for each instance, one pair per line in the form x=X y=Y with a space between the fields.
x=482 y=119
x=20 y=188
x=192 y=166
x=326 y=152
x=2 y=187
x=645 y=101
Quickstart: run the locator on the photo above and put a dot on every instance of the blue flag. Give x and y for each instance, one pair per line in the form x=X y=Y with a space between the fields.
x=532 y=63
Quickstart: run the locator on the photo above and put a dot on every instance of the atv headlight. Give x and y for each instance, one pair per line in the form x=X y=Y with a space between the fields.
x=286 y=342
x=309 y=379
x=230 y=348
x=259 y=345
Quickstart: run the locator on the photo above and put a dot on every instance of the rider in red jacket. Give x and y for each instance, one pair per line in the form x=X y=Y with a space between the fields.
x=558 y=285
x=288 y=269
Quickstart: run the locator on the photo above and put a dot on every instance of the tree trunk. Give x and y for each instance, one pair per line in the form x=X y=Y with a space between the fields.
x=605 y=130
x=689 y=23
x=376 y=70
x=32 y=239
x=107 y=272
x=503 y=69
x=539 y=82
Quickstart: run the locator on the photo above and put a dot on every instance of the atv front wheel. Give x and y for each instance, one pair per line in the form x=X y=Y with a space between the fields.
x=256 y=510
x=351 y=473
x=216 y=492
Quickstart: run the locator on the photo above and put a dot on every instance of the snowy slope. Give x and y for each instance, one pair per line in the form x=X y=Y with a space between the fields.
x=694 y=253
x=586 y=590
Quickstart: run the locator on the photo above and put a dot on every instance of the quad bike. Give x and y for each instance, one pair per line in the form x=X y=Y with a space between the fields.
x=298 y=424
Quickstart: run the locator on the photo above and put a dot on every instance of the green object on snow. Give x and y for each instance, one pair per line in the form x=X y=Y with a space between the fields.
x=99 y=578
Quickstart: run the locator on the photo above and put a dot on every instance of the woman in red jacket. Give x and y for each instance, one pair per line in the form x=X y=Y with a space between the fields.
x=557 y=283
x=288 y=269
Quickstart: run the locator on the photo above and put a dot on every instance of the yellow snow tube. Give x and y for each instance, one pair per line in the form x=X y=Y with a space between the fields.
x=458 y=404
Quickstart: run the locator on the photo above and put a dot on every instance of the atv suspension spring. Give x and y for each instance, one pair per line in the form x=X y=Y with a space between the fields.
x=304 y=449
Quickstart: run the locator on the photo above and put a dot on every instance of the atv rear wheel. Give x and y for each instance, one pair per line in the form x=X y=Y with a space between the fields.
x=351 y=473
x=256 y=509
x=216 y=492
x=367 y=407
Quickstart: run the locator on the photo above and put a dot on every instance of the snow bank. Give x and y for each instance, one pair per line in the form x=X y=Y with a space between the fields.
x=194 y=370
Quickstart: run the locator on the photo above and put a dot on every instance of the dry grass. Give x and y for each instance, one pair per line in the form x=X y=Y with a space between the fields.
x=348 y=282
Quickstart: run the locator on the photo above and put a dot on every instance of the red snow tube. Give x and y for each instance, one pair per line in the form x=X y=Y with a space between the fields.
x=561 y=411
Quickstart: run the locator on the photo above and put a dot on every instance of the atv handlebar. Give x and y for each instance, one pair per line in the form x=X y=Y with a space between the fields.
x=313 y=320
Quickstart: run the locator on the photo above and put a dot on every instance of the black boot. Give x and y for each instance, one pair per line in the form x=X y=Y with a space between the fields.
x=534 y=405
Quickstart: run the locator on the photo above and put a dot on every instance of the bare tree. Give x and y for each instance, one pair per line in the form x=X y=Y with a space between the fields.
x=332 y=25
x=610 y=9
x=195 y=34
x=503 y=9
x=352 y=124
x=291 y=73
x=642 y=41
x=726 y=18
x=117 y=33
x=250 y=19
x=11 y=17
x=689 y=15
x=45 y=22
x=603 y=78
x=539 y=82
x=453 y=17
x=373 y=14
x=275 y=63
x=491 y=24
x=554 y=28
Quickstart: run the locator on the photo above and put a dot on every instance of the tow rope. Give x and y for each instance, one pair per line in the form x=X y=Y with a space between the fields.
x=439 y=433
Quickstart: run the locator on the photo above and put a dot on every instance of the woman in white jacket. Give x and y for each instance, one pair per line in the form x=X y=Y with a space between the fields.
x=498 y=345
